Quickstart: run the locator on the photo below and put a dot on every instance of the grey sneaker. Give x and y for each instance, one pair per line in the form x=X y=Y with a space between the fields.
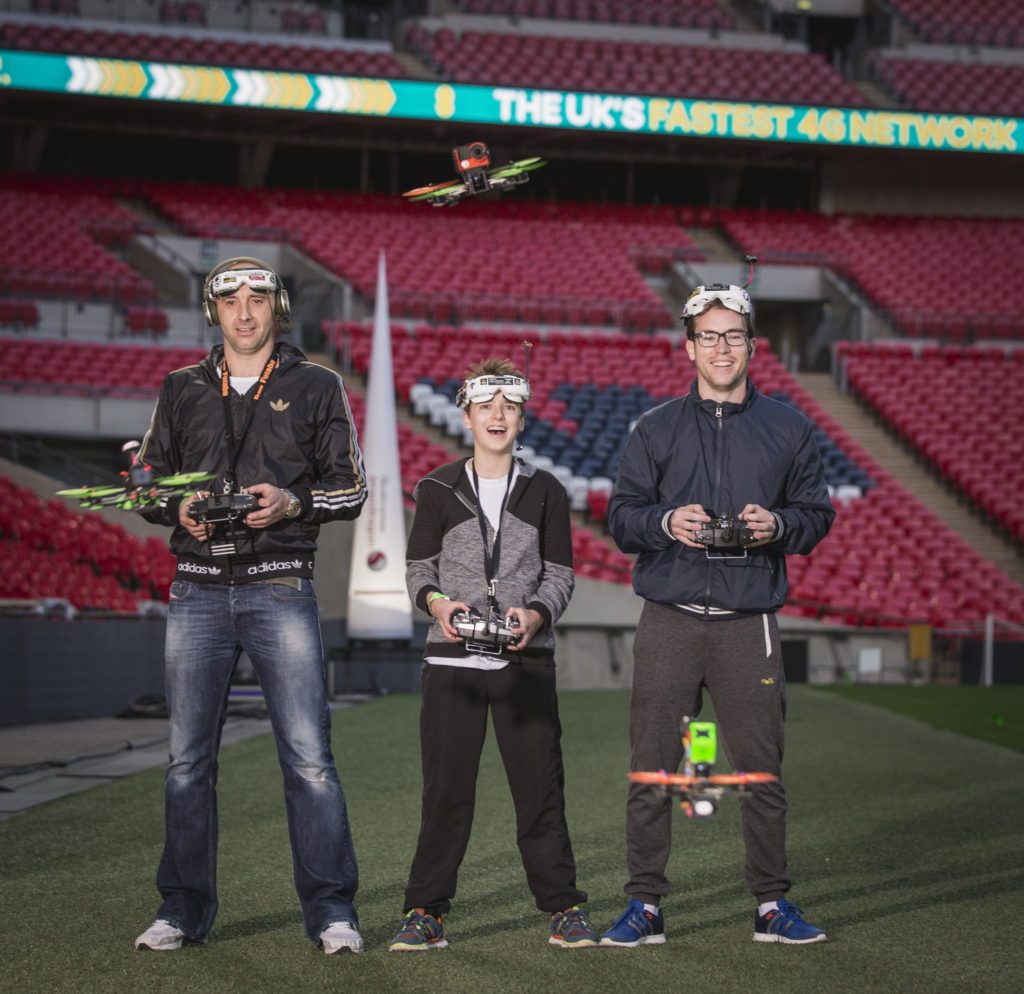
x=161 y=936
x=341 y=936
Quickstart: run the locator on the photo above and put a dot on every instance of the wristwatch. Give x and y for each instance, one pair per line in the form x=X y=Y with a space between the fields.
x=294 y=507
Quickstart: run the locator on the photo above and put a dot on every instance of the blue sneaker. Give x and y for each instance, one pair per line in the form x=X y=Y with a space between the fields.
x=636 y=927
x=786 y=925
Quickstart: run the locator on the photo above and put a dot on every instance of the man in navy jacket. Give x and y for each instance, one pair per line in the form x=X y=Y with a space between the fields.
x=723 y=450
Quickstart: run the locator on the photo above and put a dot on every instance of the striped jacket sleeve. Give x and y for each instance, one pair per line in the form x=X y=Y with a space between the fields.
x=339 y=490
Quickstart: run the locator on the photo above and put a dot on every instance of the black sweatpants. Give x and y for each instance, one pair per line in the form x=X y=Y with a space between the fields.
x=522 y=701
x=739 y=662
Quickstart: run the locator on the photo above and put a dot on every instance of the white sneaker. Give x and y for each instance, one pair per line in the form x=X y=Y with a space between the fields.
x=341 y=935
x=161 y=935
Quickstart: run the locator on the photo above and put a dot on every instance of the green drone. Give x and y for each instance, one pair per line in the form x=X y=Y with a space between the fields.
x=698 y=787
x=141 y=490
x=473 y=163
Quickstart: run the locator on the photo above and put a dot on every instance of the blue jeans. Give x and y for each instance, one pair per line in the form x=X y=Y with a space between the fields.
x=278 y=626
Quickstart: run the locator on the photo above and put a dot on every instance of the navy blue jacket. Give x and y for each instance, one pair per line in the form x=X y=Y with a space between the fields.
x=721 y=456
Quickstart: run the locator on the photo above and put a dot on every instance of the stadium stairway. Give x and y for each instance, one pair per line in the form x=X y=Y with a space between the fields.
x=908 y=470
x=712 y=244
x=414 y=67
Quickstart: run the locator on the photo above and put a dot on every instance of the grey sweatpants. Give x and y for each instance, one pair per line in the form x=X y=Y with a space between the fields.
x=739 y=661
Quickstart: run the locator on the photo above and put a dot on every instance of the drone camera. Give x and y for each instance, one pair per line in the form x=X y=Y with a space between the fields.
x=140 y=474
x=475 y=155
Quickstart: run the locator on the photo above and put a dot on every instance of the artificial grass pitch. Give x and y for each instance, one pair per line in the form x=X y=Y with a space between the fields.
x=906 y=843
x=995 y=714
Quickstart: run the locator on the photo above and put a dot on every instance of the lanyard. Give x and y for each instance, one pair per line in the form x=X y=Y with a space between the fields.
x=492 y=556
x=235 y=443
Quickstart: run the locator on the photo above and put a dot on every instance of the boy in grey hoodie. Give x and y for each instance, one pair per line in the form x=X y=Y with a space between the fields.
x=492 y=536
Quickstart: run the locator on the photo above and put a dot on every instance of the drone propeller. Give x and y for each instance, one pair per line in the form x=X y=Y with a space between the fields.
x=682 y=782
x=183 y=479
x=129 y=498
x=433 y=190
x=517 y=168
x=90 y=492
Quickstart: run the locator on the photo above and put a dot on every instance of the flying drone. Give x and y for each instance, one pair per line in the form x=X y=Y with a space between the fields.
x=473 y=164
x=698 y=786
x=140 y=489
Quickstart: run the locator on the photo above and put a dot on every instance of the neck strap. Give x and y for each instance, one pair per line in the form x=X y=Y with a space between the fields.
x=235 y=442
x=492 y=555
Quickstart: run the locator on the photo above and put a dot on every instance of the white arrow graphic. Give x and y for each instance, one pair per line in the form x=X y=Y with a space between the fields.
x=85 y=75
x=243 y=86
x=252 y=87
x=334 y=93
x=168 y=82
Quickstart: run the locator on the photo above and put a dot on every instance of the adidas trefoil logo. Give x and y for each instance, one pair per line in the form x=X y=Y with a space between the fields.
x=280 y=405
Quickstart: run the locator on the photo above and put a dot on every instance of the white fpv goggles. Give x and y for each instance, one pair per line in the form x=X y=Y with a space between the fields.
x=727 y=294
x=232 y=280
x=483 y=388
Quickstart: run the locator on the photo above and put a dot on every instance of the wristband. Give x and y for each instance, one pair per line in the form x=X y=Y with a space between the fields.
x=435 y=595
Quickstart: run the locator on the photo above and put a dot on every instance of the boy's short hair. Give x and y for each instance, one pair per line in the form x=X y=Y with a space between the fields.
x=492 y=366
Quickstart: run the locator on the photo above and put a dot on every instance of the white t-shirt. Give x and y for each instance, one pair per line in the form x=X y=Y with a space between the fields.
x=240 y=384
x=492 y=495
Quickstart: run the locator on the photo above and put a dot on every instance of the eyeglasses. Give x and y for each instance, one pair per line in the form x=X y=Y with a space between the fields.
x=710 y=339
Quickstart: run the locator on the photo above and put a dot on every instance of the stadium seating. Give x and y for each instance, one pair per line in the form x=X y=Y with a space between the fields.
x=577 y=265
x=196 y=49
x=603 y=66
x=704 y=14
x=48 y=550
x=53 y=238
x=86 y=368
x=953 y=87
x=577 y=422
x=977 y=22
x=888 y=561
x=588 y=389
x=146 y=321
x=18 y=314
x=933 y=276
x=983 y=456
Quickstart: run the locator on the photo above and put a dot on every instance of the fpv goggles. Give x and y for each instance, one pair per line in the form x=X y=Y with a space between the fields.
x=228 y=282
x=727 y=294
x=483 y=388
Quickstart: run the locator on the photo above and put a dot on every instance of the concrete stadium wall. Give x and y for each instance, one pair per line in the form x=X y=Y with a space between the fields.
x=60 y=670
x=39 y=415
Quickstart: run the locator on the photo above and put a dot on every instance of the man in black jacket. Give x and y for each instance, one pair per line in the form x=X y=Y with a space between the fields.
x=278 y=433
x=708 y=621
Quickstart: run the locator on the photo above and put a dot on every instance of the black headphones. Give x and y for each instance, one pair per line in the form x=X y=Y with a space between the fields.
x=281 y=304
